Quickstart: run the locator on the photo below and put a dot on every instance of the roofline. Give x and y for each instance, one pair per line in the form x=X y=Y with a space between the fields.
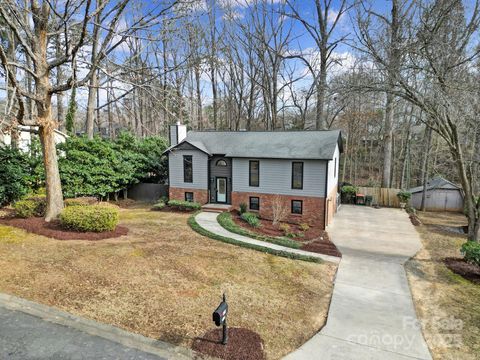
x=182 y=142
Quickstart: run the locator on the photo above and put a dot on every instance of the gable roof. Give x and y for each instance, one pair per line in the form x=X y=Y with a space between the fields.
x=318 y=145
x=437 y=182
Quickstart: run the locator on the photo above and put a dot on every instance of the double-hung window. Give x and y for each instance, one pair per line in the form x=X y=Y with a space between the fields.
x=187 y=168
x=254 y=173
x=297 y=175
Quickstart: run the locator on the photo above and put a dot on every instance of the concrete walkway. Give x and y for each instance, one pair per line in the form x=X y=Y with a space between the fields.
x=34 y=331
x=208 y=221
x=371 y=315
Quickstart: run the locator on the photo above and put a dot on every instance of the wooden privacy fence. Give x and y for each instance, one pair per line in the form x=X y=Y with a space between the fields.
x=381 y=196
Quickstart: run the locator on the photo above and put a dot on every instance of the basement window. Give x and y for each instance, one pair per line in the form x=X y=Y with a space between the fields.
x=297 y=207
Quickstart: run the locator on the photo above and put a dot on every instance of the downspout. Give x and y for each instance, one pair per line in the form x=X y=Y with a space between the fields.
x=325 y=209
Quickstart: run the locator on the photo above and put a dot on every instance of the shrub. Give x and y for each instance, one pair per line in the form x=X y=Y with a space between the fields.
x=251 y=219
x=181 y=205
x=97 y=218
x=30 y=207
x=349 y=189
x=13 y=175
x=304 y=227
x=284 y=227
x=158 y=206
x=243 y=208
x=81 y=201
x=404 y=196
x=471 y=252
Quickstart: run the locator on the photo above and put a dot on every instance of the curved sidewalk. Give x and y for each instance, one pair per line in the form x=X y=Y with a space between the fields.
x=208 y=221
x=371 y=315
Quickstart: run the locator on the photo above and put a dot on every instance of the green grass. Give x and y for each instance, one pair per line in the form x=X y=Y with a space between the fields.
x=196 y=227
x=226 y=221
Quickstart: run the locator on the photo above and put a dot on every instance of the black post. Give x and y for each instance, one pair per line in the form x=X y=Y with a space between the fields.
x=225 y=331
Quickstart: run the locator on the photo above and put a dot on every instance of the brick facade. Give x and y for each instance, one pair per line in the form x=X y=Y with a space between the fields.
x=199 y=195
x=313 y=207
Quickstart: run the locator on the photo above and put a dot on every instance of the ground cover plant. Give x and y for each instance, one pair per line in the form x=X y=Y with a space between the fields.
x=181 y=205
x=447 y=304
x=161 y=267
x=297 y=236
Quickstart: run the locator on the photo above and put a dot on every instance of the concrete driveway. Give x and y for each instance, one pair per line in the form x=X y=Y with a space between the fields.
x=371 y=315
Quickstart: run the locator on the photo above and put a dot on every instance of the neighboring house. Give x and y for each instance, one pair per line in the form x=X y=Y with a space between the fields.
x=25 y=137
x=298 y=168
x=442 y=195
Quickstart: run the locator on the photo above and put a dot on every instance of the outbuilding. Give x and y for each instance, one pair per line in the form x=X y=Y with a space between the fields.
x=442 y=195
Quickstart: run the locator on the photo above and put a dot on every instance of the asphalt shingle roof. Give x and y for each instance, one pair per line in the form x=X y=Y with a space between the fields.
x=267 y=144
x=435 y=183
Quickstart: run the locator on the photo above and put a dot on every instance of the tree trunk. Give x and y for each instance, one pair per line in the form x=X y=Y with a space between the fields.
x=50 y=163
x=388 y=142
x=60 y=95
x=320 y=122
x=426 y=156
x=92 y=89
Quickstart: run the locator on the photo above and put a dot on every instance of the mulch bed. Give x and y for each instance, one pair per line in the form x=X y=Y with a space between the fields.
x=415 y=220
x=315 y=240
x=53 y=229
x=466 y=270
x=243 y=344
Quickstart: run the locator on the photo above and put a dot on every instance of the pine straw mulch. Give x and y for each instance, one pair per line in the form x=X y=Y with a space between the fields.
x=242 y=344
x=464 y=269
x=53 y=229
x=315 y=239
x=163 y=280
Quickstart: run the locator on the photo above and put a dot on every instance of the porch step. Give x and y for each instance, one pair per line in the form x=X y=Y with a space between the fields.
x=216 y=208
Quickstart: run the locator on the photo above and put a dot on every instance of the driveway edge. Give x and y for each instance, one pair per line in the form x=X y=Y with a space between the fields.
x=109 y=332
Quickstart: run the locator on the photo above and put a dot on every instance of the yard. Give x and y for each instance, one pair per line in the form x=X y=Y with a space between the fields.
x=448 y=306
x=163 y=280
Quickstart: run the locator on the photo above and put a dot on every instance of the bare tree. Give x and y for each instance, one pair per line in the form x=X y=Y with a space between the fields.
x=34 y=34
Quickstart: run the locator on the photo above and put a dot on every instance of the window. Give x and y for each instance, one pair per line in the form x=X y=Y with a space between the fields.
x=187 y=168
x=221 y=162
x=189 y=196
x=297 y=206
x=254 y=203
x=297 y=175
x=254 y=171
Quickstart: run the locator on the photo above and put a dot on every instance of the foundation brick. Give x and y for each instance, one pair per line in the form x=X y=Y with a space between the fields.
x=313 y=207
x=199 y=195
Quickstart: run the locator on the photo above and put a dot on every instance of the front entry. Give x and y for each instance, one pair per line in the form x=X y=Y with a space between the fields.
x=221 y=190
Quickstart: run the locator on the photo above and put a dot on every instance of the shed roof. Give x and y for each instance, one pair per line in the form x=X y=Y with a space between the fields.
x=437 y=182
x=267 y=144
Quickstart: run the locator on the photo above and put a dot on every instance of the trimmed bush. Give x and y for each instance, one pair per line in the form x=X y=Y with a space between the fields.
x=30 y=207
x=304 y=227
x=404 y=196
x=181 y=205
x=471 y=252
x=251 y=219
x=243 y=208
x=96 y=218
x=14 y=174
x=158 y=206
x=81 y=201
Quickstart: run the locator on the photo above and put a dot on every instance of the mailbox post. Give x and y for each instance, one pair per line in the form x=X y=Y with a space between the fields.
x=220 y=318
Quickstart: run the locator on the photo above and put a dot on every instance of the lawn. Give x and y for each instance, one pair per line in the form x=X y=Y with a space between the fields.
x=447 y=305
x=163 y=280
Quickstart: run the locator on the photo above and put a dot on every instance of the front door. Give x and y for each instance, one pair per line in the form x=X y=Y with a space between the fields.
x=221 y=189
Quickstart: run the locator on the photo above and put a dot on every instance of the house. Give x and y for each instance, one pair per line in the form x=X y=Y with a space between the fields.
x=25 y=137
x=442 y=195
x=298 y=169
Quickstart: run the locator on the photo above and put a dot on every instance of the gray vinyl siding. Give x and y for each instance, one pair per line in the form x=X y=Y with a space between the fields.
x=200 y=169
x=276 y=177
